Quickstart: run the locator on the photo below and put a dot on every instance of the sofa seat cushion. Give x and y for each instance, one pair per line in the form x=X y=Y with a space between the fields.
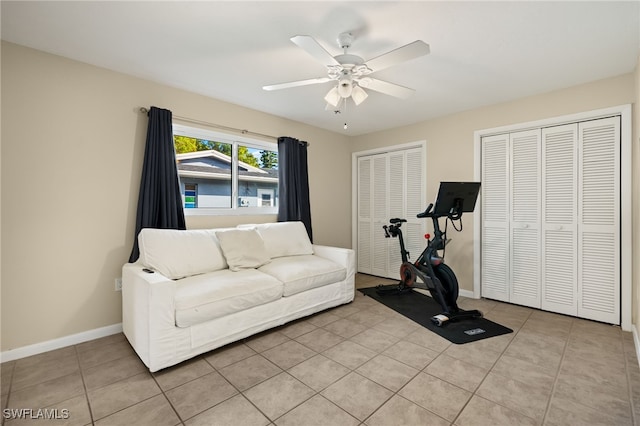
x=204 y=297
x=300 y=273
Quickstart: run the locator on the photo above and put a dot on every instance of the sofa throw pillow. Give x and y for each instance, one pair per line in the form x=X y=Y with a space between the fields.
x=284 y=238
x=243 y=248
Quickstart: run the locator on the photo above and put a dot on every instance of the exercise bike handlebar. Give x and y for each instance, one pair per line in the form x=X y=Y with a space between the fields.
x=426 y=213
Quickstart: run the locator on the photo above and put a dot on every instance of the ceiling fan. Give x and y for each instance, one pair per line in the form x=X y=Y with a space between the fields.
x=351 y=73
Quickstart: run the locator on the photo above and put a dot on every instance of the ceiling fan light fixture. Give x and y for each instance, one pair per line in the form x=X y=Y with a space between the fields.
x=358 y=95
x=333 y=98
x=345 y=87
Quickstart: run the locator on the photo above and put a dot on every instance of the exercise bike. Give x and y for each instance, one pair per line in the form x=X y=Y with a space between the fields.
x=454 y=198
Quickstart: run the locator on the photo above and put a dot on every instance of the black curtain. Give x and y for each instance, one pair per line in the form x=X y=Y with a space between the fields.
x=293 y=176
x=159 y=202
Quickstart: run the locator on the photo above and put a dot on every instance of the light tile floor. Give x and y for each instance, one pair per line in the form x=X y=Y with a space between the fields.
x=358 y=364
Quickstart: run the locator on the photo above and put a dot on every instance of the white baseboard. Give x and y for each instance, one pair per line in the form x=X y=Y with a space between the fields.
x=61 y=342
x=466 y=293
x=636 y=341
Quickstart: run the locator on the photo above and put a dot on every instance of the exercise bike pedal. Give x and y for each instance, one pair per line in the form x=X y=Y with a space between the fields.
x=442 y=319
x=439 y=319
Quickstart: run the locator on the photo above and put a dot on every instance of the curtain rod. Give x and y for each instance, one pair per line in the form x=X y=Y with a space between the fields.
x=217 y=126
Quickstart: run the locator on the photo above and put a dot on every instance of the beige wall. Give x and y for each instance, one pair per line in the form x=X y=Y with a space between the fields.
x=73 y=142
x=72 y=148
x=450 y=144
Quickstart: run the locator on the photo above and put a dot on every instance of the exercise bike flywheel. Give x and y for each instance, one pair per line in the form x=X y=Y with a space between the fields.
x=407 y=274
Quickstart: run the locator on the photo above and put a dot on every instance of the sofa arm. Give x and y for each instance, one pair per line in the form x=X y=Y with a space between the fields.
x=341 y=256
x=148 y=308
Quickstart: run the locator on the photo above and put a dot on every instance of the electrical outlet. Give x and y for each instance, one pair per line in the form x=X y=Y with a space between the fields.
x=118 y=284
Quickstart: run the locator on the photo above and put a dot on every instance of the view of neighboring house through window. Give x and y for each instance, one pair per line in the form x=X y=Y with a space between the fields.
x=225 y=173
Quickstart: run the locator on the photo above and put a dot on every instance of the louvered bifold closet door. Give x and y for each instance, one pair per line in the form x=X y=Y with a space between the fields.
x=525 y=218
x=495 y=217
x=380 y=214
x=397 y=209
x=406 y=200
x=559 y=219
x=415 y=228
x=390 y=185
x=599 y=220
x=365 y=218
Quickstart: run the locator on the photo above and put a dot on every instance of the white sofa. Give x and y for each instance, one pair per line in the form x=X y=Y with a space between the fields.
x=196 y=290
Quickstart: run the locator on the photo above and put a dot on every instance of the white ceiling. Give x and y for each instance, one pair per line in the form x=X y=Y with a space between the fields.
x=481 y=52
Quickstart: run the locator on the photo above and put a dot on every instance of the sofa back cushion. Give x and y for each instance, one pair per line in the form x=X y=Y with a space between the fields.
x=284 y=238
x=177 y=254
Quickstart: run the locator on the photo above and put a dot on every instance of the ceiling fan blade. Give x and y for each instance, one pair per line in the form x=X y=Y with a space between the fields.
x=402 y=54
x=297 y=83
x=313 y=48
x=386 y=87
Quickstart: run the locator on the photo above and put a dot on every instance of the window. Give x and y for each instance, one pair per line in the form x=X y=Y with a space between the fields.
x=225 y=174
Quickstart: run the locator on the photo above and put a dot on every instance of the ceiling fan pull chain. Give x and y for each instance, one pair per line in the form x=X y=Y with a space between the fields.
x=345 y=114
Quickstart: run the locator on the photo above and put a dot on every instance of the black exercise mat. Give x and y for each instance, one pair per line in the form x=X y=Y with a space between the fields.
x=420 y=308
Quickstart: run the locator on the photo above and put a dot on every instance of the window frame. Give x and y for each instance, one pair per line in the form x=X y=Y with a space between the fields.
x=235 y=141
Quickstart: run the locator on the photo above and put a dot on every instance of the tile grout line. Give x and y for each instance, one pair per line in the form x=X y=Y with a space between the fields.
x=13 y=367
x=397 y=393
x=489 y=372
x=580 y=403
x=241 y=393
x=388 y=399
x=393 y=393
x=376 y=354
x=12 y=384
x=146 y=371
x=557 y=376
x=162 y=391
x=300 y=381
x=128 y=406
x=84 y=384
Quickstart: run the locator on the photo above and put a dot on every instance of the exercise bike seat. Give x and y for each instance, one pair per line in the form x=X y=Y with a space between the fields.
x=396 y=220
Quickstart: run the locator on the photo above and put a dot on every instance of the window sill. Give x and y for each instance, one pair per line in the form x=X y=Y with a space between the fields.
x=242 y=211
